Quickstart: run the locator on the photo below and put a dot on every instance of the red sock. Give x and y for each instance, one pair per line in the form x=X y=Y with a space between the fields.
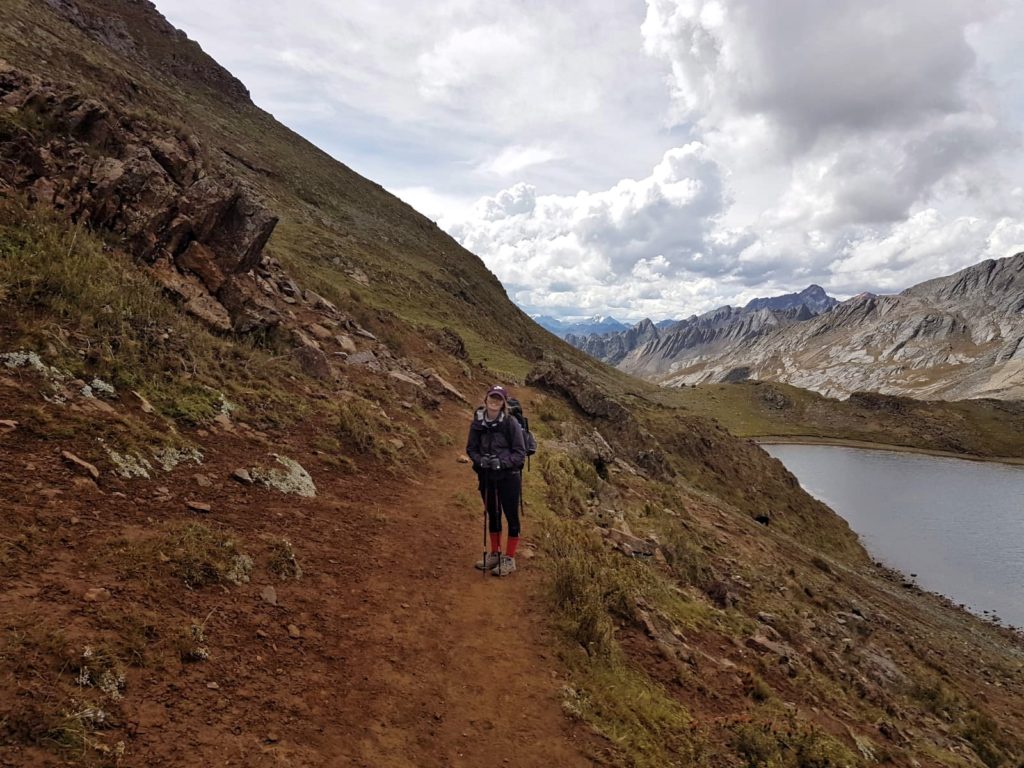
x=510 y=547
x=495 y=542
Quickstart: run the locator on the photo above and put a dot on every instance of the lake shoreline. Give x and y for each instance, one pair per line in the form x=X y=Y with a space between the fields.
x=867 y=445
x=955 y=525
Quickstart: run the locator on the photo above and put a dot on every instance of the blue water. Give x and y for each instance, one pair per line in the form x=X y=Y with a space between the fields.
x=958 y=525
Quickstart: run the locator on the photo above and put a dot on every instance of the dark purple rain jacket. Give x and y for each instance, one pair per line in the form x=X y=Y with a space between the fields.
x=502 y=438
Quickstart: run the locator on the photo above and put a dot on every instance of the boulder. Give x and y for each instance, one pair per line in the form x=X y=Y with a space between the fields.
x=304 y=340
x=442 y=387
x=407 y=384
x=763 y=645
x=628 y=544
x=318 y=301
x=345 y=342
x=250 y=310
x=313 y=362
x=198 y=300
x=319 y=332
x=365 y=358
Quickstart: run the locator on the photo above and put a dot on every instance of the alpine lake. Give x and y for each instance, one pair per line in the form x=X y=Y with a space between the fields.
x=955 y=526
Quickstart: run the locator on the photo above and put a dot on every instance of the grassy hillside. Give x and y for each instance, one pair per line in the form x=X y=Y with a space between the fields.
x=980 y=428
x=705 y=611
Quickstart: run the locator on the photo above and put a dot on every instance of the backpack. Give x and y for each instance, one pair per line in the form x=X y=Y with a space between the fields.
x=515 y=408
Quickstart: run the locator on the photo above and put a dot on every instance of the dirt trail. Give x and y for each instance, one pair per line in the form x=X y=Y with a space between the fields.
x=391 y=650
x=461 y=667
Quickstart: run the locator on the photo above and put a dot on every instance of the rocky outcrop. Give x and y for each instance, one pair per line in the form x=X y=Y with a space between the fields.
x=577 y=389
x=617 y=425
x=201 y=232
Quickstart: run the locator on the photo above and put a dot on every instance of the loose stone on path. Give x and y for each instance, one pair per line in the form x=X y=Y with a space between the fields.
x=70 y=458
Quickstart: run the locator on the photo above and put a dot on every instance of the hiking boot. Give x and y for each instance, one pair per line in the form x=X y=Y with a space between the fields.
x=505 y=567
x=489 y=563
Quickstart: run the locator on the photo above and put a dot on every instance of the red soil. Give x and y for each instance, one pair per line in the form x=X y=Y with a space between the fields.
x=407 y=656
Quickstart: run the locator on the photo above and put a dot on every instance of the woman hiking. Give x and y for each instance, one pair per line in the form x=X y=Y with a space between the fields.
x=498 y=451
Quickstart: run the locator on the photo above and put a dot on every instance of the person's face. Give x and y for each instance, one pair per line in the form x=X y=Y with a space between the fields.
x=494 y=403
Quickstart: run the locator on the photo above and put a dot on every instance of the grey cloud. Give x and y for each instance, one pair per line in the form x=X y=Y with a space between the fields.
x=854 y=65
x=560 y=286
x=878 y=179
x=848 y=65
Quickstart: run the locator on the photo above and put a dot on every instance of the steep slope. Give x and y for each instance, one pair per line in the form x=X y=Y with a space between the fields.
x=951 y=338
x=236 y=529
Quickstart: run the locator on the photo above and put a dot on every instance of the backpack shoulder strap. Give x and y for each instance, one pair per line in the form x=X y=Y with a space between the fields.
x=510 y=430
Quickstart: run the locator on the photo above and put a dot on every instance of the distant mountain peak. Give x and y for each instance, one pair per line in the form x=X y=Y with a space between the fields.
x=813 y=297
x=566 y=327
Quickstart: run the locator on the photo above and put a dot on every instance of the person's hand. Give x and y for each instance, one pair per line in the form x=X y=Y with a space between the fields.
x=492 y=462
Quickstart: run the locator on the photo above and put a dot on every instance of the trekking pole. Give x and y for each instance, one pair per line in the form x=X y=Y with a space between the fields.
x=497 y=511
x=522 y=500
x=486 y=485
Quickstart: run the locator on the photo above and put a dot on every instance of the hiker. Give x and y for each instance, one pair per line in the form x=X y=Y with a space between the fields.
x=498 y=450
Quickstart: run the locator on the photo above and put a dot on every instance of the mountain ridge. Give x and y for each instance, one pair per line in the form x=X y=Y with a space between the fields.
x=634 y=350
x=951 y=337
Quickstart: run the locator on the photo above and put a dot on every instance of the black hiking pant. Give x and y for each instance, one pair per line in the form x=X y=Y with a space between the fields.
x=501 y=494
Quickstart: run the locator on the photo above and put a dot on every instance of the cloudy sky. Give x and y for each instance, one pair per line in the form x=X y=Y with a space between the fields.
x=660 y=158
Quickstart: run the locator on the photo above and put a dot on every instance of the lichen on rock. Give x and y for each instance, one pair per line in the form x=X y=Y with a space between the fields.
x=293 y=479
x=170 y=457
x=129 y=465
x=32 y=361
x=239 y=570
x=102 y=388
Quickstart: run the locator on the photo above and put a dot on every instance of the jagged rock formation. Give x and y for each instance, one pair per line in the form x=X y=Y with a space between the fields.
x=649 y=349
x=732 y=594
x=201 y=232
x=955 y=337
x=196 y=227
x=707 y=335
x=613 y=347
